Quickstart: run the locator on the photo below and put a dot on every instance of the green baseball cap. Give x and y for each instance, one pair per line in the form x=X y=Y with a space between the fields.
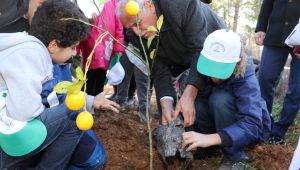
x=25 y=140
x=19 y=138
x=220 y=54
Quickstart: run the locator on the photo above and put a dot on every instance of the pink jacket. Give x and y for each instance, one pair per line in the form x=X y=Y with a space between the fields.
x=108 y=47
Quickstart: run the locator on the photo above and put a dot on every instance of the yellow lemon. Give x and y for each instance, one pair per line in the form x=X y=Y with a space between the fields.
x=132 y=8
x=75 y=101
x=84 y=120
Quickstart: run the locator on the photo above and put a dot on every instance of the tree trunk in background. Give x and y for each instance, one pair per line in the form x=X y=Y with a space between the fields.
x=257 y=49
x=231 y=12
x=237 y=5
x=228 y=13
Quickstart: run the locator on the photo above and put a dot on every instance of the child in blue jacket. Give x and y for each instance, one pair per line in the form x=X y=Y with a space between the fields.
x=89 y=153
x=230 y=111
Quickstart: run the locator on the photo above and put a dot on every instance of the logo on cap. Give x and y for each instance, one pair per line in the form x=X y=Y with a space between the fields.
x=217 y=47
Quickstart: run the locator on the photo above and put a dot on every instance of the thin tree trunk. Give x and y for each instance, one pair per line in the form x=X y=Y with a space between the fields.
x=236 y=14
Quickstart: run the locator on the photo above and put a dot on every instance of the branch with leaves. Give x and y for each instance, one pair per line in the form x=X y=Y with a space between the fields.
x=74 y=88
x=153 y=53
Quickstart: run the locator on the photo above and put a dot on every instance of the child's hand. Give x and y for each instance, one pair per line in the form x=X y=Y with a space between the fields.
x=191 y=140
x=100 y=102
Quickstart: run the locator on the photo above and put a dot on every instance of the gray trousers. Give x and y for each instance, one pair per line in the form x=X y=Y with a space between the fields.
x=140 y=80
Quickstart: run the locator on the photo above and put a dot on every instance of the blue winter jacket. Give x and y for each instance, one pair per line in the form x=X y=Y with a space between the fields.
x=89 y=151
x=253 y=121
x=60 y=73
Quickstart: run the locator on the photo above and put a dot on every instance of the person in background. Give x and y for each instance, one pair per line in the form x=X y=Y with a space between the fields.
x=105 y=50
x=276 y=21
x=15 y=16
x=293 y=41
x=133 y=68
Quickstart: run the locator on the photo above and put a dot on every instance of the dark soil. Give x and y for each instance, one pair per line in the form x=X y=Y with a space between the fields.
x=127 y=146
x=272 y=157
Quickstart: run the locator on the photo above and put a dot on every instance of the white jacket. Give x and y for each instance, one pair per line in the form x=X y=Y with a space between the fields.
x=25 y=65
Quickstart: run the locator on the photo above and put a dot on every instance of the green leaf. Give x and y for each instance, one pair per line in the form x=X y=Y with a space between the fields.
x=149 y=41
x=151 y=29
x=152 y=54
x=160 y=22
x=61 y=87
x=79 y=73
x=76 y=87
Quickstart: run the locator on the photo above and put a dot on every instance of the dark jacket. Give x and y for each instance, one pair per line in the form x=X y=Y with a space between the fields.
x=278 y=18
x=186 y=25
x=253 y=121
x=12 y=16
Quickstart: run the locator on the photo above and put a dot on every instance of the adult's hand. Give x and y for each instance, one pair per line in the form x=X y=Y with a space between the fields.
x=167 y=110
x=186 y=105
x=259 y=37
x=191 y=140
x=100 y=102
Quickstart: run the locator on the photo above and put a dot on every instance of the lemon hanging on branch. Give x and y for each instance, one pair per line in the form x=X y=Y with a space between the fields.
x=84 y=120
x=132 y=8
x=75 y=101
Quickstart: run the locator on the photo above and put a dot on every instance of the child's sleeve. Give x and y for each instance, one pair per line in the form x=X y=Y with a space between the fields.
x=47 y=98
x=89 y=103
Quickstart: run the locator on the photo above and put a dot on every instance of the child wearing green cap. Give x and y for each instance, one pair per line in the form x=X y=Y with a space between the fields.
x=27 y=127
x=229 y=110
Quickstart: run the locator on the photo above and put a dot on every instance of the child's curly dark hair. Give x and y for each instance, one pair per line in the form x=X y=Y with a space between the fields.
x=47 y=23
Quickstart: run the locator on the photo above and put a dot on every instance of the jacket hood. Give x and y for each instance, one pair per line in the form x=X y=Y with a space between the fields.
x=11 y=42
x=241 y=69
x=8 y=40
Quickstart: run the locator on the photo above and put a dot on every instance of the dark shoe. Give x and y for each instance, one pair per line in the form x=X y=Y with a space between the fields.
x=131 y=100
x=276 y=140
x=112 y=97
x=234 y=165
x=122 y=105
x=130 y=103
x=157 y=115
x=240 y=164
x=204 y=153
x=229 y=165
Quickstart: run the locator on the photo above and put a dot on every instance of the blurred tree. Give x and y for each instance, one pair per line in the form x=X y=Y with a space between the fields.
x=240 y=16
